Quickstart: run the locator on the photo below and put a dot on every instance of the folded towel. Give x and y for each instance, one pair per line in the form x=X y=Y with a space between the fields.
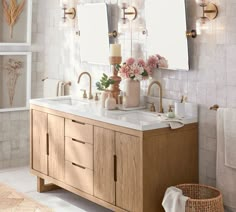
x=50 y=88
x=174 y=123
x=230 y=137
x=174 y=200
x=225 y=176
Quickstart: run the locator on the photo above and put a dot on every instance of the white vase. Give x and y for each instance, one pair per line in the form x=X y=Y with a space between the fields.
x=132 y=92
x=104 y=96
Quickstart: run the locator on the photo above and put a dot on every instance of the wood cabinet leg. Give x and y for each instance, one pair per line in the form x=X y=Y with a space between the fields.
x=42 y=187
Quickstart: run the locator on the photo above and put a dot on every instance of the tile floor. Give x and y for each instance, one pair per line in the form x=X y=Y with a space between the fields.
x=59 y=200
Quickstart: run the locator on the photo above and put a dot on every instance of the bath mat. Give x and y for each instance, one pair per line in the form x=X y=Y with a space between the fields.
x=13 y=201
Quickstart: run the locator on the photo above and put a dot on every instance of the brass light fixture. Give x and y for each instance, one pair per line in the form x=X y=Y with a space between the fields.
x=209 y=13
x=192 y=33
x=128 y=13
x=68 y=13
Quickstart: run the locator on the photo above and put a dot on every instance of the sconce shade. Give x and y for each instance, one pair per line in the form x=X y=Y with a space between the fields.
x=202 y=24
x=202 y=3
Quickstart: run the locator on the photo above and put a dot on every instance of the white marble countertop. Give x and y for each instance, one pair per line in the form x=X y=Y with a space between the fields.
x=138 y=119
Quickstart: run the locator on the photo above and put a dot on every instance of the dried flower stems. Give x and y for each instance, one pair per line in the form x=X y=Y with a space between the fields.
x=12 y=12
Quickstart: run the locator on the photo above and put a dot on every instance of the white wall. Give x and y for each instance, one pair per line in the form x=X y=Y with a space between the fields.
x=211 y=80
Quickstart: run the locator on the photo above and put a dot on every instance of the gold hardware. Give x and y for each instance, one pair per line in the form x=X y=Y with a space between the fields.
x=96 y=97
x=70 y=13
x=90 y=83
x=192 y=33
x=67 y=83
x=84 y=94
x=149 y=90
x=152 y=107
x=44 y=79
x=129 y=13
x=214 y=107
x=78 y=122
x=210 y=11
x=113 y=34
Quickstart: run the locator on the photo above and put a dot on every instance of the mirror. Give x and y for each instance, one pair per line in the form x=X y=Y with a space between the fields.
x=166 y=32
x=94 y=30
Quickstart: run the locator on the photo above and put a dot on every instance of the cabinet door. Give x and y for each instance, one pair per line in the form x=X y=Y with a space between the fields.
x=129 y=172
x=104 y=184
x=56 y=136
x=39 y=128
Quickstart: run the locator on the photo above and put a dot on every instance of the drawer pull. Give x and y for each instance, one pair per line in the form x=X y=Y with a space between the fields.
x=73 y=139
x=115 y=168
x=47 y=143
x=82 y=167
x=78 y=122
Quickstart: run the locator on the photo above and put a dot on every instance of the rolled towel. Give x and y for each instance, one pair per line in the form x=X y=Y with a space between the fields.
x=174 y=200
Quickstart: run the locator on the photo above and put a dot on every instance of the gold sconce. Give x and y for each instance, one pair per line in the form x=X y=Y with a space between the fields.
x=68 y=13
x=128 y=13
x=209 y=13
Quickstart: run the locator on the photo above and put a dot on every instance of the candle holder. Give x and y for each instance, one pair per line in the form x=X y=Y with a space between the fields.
x=115 y=88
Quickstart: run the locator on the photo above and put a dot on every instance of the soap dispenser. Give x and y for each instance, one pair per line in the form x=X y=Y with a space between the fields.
x=110 y=103
x=170 y=113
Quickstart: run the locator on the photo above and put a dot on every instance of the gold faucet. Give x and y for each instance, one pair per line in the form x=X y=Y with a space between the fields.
x=90 y=83
x=149 y=90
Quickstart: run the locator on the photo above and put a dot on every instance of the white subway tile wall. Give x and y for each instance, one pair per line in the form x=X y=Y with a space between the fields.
x=56 y=54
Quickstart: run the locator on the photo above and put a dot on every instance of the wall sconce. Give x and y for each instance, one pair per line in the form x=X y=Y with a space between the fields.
x=68 y=13
x=209 y=12
x=128 y=13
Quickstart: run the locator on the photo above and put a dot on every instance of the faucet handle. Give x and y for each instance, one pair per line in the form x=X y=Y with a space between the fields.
x=84 y=94
x=152 y=107
x=96 y=96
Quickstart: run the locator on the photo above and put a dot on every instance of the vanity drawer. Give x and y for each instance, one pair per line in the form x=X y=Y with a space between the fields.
x=79 y=131
x=79 y=152
x=79 y=177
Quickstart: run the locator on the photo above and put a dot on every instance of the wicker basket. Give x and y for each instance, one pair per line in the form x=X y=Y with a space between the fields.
x=202 y=198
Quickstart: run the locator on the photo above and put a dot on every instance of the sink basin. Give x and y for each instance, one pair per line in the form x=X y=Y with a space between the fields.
x=68 y=101
x=139 y=115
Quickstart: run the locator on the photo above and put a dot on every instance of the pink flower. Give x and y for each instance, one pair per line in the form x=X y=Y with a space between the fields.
x=141 y=62
x=153 y=61
x=130 y=61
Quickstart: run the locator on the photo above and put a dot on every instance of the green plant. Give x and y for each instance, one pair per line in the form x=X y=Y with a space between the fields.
x=104 y=83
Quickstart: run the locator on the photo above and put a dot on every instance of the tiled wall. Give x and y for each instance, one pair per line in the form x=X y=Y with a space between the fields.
x=211 y=80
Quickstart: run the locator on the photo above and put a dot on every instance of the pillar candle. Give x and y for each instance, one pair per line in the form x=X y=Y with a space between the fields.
x=115 y=50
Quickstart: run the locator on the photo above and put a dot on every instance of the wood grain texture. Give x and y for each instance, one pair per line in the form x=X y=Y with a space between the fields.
x=88 y=121
x=79 y=153
x=104 y=150
x=78 y=177
x=42 y=187
x=129 y=172
x=78 y=192
x=56 y=157
x=79 y=130
x=169 y=159
x=39 y=141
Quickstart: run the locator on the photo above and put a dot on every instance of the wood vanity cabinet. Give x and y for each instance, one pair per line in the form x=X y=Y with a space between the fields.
x=119 y=168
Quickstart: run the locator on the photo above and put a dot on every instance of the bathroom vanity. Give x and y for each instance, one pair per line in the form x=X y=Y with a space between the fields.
x=121 y=160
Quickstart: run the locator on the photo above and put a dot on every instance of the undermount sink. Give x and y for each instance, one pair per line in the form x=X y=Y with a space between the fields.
x=69 y=101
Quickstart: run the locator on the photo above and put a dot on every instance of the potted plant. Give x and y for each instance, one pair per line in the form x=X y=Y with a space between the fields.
x=103 y=86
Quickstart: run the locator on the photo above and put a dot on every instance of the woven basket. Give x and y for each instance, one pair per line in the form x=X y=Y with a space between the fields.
x=202 y=198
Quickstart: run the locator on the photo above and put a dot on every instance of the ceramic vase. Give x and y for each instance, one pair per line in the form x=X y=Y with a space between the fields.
x=132 y=92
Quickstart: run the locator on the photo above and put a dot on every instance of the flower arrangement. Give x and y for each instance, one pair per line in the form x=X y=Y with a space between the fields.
x=14 y=70
x=140 y=69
